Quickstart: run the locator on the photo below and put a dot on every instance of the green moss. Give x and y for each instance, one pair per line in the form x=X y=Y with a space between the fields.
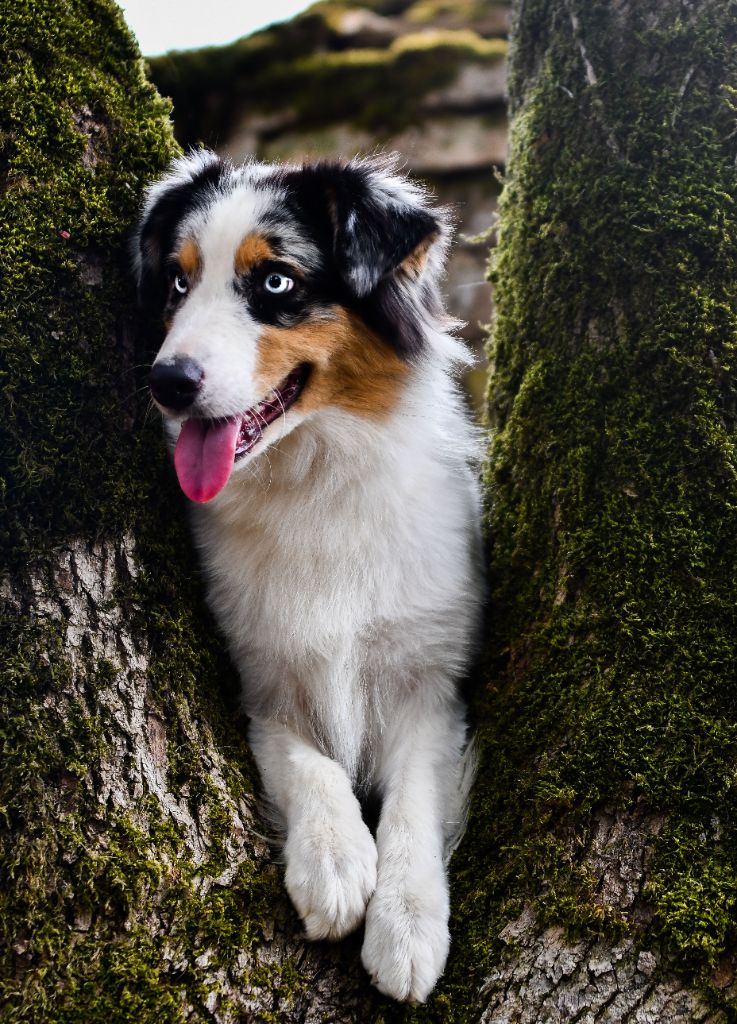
x=378 y=90
x=79 y=921
x=612 y=487
x=612 y=493
x=62 y=175
x=119 y=969
x=695 y=895
x=471 y=45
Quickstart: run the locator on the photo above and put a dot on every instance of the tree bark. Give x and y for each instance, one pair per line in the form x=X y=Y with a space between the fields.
x=598 y=877
x=604 y=814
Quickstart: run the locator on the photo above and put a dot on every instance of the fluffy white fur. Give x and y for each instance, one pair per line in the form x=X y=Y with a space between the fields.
x=342 y=565
x=342 y=571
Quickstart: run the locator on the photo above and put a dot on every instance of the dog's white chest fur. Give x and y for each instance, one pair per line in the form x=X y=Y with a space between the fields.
x=342 y=572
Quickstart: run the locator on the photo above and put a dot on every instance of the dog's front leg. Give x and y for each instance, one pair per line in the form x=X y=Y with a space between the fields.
x=329 y=852
x=407 y=938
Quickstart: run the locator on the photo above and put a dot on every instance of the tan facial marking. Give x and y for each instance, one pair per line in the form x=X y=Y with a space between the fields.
x=352 y=367
x=189 y=259
x=252 y=250
x=414 y=264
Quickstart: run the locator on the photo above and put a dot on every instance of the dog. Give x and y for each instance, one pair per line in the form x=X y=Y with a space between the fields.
x=306 y=380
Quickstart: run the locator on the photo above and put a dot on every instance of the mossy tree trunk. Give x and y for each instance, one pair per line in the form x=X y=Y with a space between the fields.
x=135 y=885
x=599 y=880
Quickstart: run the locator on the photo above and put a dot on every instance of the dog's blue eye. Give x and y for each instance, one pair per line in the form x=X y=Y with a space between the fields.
x=180 y=283
x=278 y=284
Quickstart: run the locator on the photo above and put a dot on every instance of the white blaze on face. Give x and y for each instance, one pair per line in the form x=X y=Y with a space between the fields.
x=213 y=325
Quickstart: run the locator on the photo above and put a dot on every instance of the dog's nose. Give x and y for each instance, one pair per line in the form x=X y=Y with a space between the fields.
x=175 y=385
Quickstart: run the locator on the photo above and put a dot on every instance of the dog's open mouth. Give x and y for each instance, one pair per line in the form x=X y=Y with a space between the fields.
x=207 y=449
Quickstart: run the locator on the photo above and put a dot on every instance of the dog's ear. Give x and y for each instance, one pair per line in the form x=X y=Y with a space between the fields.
x=379 y=221
x=185 y=186
x=381 y=232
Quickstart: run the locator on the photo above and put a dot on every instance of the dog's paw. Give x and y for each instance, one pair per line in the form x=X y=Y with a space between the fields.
x=331 y=874
x=407 y=938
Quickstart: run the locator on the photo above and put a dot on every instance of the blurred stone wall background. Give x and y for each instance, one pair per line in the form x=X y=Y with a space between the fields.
x=424 y=78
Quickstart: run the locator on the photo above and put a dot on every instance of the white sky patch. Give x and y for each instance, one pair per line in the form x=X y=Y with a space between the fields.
x=161 y=25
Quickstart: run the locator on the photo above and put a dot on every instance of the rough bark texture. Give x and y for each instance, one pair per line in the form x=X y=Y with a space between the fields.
x=598 y=879
x=604 y=815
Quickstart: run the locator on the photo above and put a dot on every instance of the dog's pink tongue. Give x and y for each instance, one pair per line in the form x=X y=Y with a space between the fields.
x=204 y=456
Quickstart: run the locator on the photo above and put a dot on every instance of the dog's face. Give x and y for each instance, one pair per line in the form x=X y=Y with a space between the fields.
x=283 y=291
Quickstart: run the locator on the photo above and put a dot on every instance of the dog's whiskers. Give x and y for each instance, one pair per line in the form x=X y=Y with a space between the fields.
x=265 y=453
x=132 y=369
x=149 y=408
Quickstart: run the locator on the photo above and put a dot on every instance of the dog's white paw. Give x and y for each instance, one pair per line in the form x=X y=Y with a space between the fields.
x=407 y=939
x=331 y=873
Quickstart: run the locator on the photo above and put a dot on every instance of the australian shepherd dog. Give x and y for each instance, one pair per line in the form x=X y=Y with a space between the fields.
x=306 y=379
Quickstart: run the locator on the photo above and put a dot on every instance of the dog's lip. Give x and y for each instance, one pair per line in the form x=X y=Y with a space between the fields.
x=255 y=420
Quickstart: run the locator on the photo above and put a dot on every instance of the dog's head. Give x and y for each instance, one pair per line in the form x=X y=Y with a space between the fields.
x=283 y=290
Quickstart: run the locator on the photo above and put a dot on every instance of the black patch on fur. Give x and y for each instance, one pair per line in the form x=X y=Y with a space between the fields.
x=388 y=312
x=283 y=310
x=158 y=231
x=373 y=235
x=365 y=236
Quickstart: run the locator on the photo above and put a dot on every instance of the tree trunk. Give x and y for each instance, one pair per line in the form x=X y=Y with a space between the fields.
x=137 y=885
x=598 y=878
